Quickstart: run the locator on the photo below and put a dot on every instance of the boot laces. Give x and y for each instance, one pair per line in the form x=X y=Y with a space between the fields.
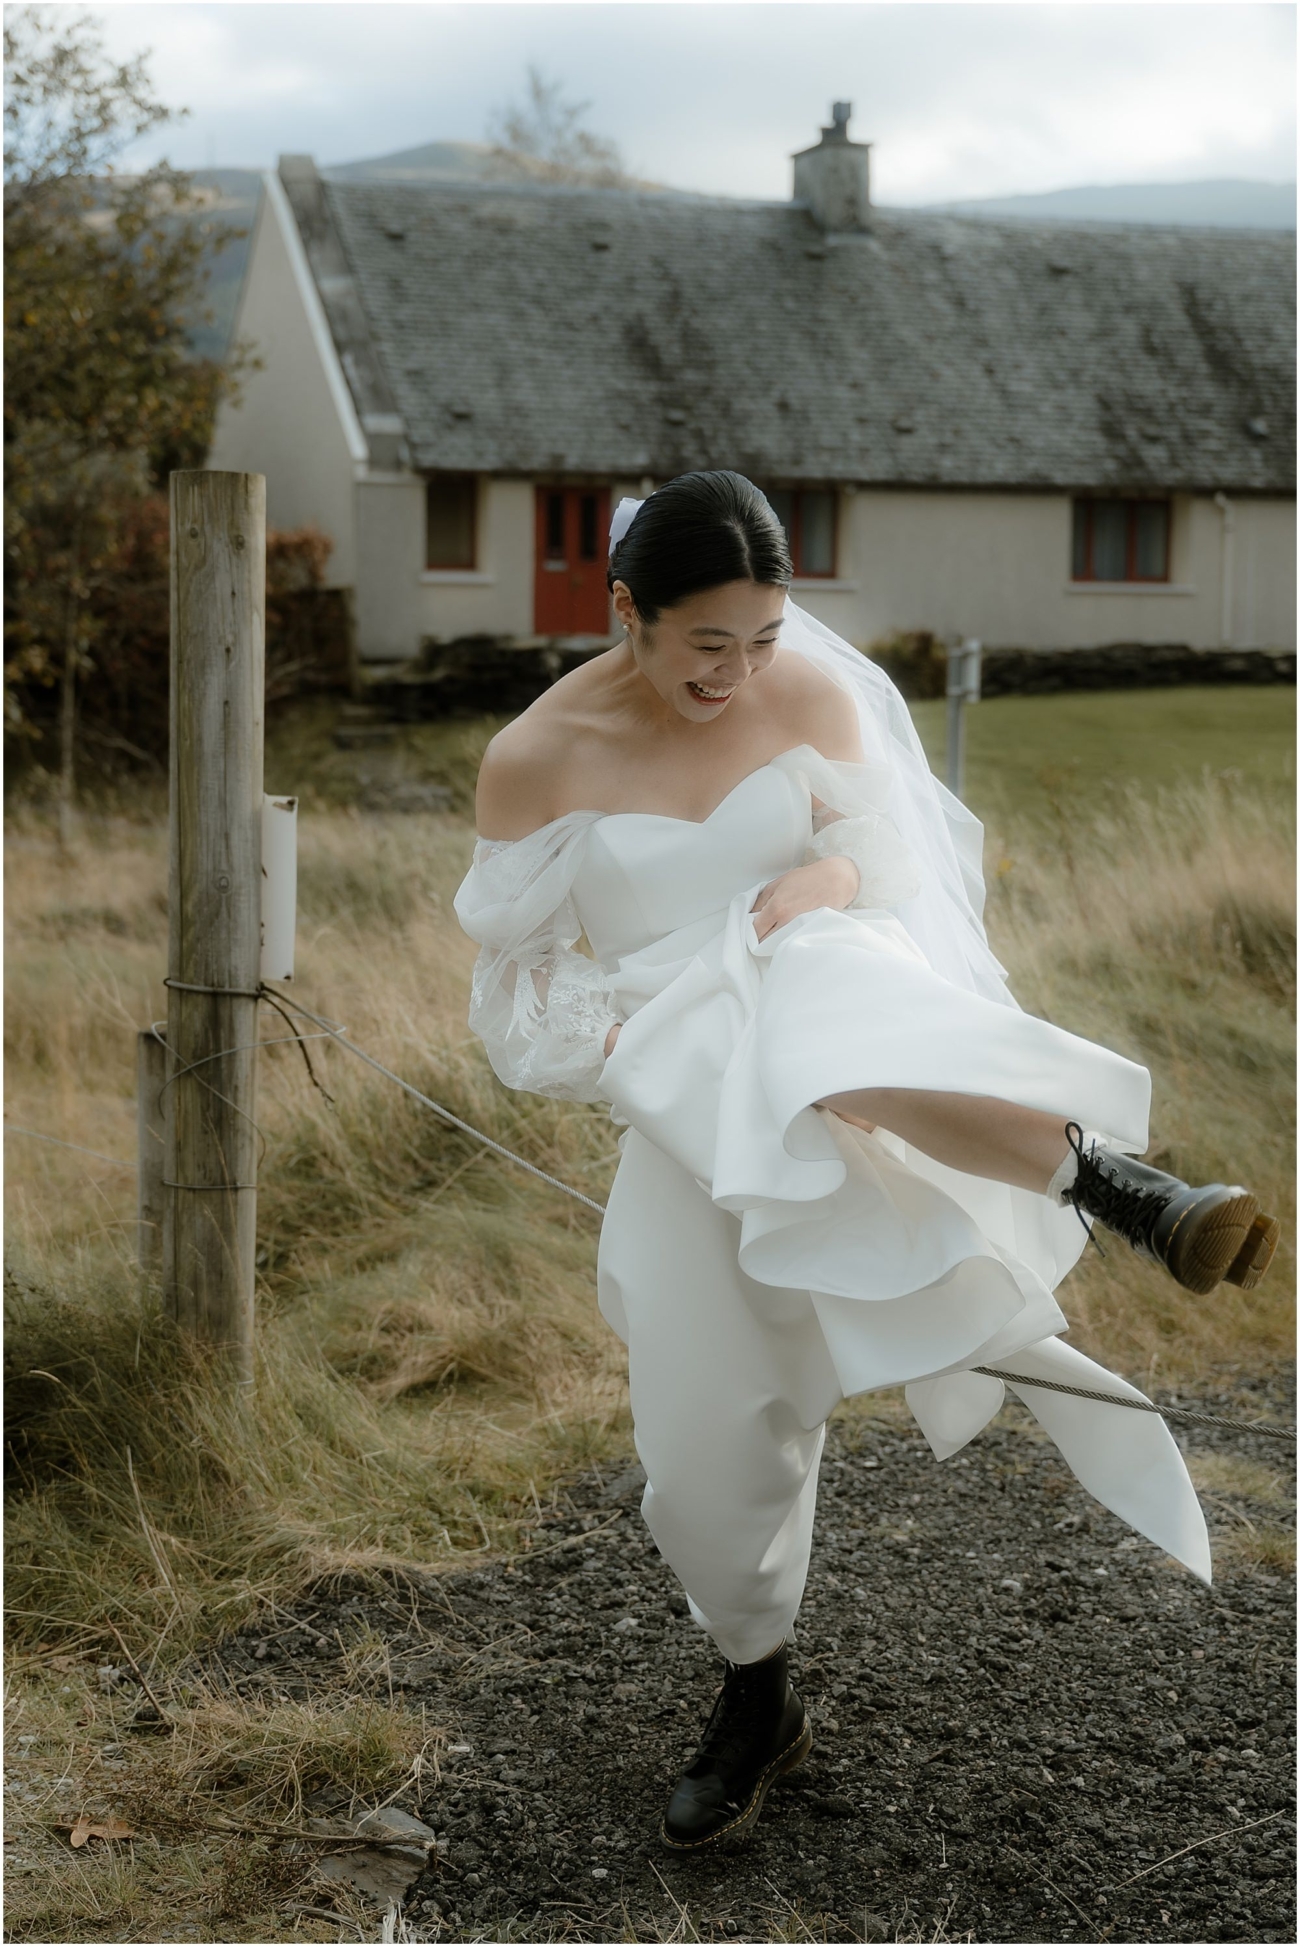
x=1074 y=1137
x=1122 y=1205
x=732 y=1720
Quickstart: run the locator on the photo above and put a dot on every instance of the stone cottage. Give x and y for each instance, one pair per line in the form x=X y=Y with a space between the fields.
x=1042 y=436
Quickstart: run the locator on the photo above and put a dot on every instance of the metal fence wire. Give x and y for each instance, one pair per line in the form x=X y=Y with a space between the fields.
x=326 y=1029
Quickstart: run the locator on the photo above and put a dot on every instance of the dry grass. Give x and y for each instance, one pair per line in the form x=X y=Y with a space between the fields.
x=783 y=1922
x=205 y=1805
x=429 y=1350
x=1262 y=1534
x=261 y=1764
x=1164 y=926
x=1245 y=1480
x=430 y=1357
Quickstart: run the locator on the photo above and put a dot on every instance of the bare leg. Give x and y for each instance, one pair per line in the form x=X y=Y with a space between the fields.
x=979 y=1134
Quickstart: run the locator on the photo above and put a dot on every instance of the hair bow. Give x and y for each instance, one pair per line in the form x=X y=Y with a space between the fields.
x=624 y=515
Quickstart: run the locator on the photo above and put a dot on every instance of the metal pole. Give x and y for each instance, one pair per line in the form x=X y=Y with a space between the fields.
x=963 y=688
x=218 y=593
x=956 y=753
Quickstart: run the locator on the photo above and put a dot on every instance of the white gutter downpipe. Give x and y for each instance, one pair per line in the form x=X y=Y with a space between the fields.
x=1229 y=514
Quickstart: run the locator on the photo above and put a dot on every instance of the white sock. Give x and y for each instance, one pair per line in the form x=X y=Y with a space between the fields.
x=1068 y=1168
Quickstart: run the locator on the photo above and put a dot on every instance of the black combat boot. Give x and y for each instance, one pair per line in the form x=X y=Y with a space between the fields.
x=1200 y=1236
x=757 y=1730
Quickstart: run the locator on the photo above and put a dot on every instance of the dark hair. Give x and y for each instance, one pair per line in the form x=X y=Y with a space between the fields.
x=696 y=532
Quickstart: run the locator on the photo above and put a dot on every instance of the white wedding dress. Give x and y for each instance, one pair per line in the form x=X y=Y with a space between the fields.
x=914 y=1273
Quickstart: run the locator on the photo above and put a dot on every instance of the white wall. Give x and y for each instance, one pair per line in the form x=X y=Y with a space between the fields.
x=997 y=566
x=400 y=603
x=287 y=423
x=994 y=566
x=390 y=548
x=1263 y=599
x=453 y=604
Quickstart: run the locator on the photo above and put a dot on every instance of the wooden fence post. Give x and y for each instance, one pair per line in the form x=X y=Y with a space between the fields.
x=150 y=1121
x=218 y=608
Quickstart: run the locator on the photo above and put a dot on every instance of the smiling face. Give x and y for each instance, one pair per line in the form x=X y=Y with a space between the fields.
x=703 y=649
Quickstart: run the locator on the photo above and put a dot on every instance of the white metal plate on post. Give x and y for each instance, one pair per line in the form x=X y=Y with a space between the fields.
x=279 y=886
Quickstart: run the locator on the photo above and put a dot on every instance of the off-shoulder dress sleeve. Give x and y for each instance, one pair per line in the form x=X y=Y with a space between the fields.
x=895 y=833
x=851 y=820
x=541 y=1008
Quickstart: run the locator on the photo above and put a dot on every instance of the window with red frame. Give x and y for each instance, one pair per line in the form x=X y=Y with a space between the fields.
x=450 y=520
x=1121 y=540
x=808 y=518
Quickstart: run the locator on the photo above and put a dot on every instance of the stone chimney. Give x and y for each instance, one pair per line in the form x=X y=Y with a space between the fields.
x=834 y=179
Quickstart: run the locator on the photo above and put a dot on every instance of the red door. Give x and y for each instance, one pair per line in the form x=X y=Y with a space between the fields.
x=572 y=551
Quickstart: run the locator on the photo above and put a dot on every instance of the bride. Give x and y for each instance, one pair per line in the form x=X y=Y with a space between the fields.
x=717 y=888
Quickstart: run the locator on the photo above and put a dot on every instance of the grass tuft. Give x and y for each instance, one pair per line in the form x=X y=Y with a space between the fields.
x=260 y=1765
x=142 y=1497
x=208 y=1805
x=1164 y=926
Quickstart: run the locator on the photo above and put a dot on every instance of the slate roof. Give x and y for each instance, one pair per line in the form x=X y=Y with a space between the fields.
x=527 y=330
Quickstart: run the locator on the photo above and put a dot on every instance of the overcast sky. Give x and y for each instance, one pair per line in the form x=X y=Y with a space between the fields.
x=966 y=100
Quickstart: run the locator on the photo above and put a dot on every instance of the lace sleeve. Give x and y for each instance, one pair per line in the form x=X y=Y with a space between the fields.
x=887 y=873
x=851 y=819
x=541 y=1008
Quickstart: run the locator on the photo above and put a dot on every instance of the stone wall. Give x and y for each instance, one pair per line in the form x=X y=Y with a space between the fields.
x=918 y=663
x=458 y=679
x=1128 y=666
x=464 y=678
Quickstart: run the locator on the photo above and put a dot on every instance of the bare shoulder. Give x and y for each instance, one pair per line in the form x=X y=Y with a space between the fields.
x=517 y=778
x=818 y=709
x=523 y=776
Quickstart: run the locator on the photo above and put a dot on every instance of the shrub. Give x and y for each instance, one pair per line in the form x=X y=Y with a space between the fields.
x=915 y=660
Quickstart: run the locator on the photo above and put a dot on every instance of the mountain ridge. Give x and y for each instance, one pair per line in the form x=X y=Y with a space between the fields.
x=1215 y=202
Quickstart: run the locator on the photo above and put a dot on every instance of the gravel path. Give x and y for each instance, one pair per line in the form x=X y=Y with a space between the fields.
x=1030 y=1726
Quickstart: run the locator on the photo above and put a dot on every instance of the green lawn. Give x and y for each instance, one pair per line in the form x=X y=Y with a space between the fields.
x=1024 y=752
